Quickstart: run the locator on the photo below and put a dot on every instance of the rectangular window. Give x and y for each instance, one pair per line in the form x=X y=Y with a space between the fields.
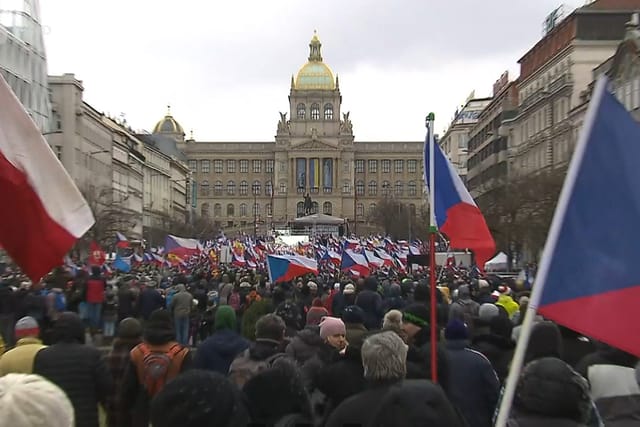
x=359 y=166
x=231 y=166
x=398 y=166
x=205 y=166
x=283 y=188
x=193 y=165
x=373 y=166
x=386 y=166
x=412 y=166
x=346 y=188
x=268 y=166
x=217 y=166
x=257 y=166
x=58 y=151
x=244 y=166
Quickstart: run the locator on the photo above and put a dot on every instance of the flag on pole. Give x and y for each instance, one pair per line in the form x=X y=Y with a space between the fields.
x=456 y=214
x=182 y=247
x=44 y=211
x=589 y=275
x=283 y=268
x=122 y=241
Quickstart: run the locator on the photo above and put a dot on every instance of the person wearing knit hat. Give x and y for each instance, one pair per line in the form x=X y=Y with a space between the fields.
x=19 y=360
x=31 y=400
x=415 y=318
x=473 y=386
x=129 y=336
x=349 y=289
x=353 y=318
x=218 y=351
x=333 y=332
x=487 y=311
x=316 y=312
x=199 y=398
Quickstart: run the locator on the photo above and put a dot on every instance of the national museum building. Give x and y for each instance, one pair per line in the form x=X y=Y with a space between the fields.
x=243 y=184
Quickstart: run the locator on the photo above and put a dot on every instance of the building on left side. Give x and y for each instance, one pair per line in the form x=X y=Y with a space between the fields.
x=134 y=183
x=23 y=61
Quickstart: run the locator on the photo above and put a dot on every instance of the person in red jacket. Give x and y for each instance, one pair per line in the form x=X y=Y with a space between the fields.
x=95 y=298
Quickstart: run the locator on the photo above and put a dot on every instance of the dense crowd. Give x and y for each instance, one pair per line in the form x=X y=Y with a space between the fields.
x=228 y=348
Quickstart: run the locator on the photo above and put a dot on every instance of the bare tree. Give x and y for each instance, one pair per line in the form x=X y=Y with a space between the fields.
x=399 y=220
x=110 y=216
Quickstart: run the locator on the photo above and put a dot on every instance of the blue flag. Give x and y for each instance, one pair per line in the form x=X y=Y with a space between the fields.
x=589 y=276
x=122 y=263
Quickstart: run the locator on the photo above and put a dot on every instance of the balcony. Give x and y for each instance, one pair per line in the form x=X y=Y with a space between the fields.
x=561 y=82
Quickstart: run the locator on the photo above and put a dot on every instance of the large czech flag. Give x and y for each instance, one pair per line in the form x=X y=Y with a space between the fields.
x=43 y=212
x=183 y=248
x=456 y=214
x=589 y=278
x=353 y=261
x=283 y=268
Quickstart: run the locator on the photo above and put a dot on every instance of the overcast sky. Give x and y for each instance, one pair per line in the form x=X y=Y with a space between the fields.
x=225 y=67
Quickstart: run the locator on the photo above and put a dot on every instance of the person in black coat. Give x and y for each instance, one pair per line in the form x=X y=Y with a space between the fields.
x=78 y=369
x=497 y=345
x=370 y=301
x=149 y=301
x=218 y=351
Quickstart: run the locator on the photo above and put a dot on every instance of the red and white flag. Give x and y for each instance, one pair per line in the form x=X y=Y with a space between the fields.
x=43 y=211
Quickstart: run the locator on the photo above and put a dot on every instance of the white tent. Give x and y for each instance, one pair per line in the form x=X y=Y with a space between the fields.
x=497 y=263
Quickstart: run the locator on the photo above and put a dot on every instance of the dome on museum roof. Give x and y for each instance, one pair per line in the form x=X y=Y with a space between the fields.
x=315 y=74
x=168 y=125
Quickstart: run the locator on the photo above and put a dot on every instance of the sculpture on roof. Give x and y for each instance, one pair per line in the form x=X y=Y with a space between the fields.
x=283 y=124
x=345 y=124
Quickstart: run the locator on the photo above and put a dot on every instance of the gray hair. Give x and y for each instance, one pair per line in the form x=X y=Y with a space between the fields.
x=270 y=326
x=384 y=357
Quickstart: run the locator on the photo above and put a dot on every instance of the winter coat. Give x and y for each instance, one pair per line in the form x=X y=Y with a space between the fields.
x=117 y=362
x=473 y=386
x=126 y=303
x=150 y=300
x=20 y=359
x=95 y=290
x=498 y=349
x=305 y=344
x=356 y=333
x=342 y=378
x=181 y=304
x=80 y=371
x=371 y=303
x=359 y=410
x=465 y=310
x=614 y=389
x=218 y=351
x=528 y=420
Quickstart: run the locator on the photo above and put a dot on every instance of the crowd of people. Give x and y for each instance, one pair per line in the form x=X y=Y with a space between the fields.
x=225 y=347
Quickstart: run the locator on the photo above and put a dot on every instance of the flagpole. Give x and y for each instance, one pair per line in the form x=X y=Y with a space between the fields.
x=433 y=229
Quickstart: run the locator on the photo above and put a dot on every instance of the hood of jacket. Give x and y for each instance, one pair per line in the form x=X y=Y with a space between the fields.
x=264 y=348
x=227 y=343
x=310 y=336
x=68 y=329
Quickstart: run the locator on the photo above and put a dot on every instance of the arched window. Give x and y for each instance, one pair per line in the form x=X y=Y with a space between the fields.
x=255 y=188
x=327 y=208
x=283 y=188
x=328 y=112
x=268 y=210
x=231 y=209
x=372 y=209
x=359 y=210
x=243 y=209
x=386 y=188
x=314 y=207
x=217 y=188
x=412 y=188
x=204 y=210
x=268 y=189
x=373 y=188
x=217 y=210
x=315 y=112
x=301 y=111
x=256 y=209
x=204 y=188
x=300 y=209
x=231 y=188
x=359 y=188
x=399 y=188
x=244 y=188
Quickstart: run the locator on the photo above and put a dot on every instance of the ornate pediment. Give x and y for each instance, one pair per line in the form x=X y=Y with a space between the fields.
x=314 y=145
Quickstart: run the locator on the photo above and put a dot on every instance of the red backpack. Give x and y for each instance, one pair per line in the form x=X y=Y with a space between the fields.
x=156 y=365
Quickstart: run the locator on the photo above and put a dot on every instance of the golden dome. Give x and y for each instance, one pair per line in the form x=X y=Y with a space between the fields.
x=168 y=125
x=315 y=74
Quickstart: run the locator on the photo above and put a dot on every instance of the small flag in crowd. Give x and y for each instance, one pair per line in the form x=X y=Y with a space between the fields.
x=44 y=211
x=589 y=275
x=283 y=268
x=122 y=241
x=456 y=214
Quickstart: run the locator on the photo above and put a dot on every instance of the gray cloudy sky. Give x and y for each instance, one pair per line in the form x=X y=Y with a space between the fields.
x=225 y=67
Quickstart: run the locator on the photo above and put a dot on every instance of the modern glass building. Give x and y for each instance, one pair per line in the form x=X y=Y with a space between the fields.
x=23 y=61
